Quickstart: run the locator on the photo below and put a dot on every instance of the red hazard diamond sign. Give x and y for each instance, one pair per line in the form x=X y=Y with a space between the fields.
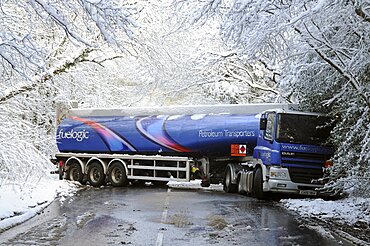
x=238 y=150
x=242 y=149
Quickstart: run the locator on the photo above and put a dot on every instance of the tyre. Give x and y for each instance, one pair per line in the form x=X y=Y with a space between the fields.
x=74 y=172
x=228 y=186
x=257 y=185
x=117 y=174
x=95 y=174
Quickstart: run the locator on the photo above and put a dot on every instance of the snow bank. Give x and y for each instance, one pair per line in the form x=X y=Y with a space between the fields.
x=348 y=211
x=18 y=204
x=194 y=185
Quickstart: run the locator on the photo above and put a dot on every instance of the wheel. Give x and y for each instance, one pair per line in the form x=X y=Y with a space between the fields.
x=74 y=173
x=95 y=174
x=228 y=186
x=257 y=185
x=117 y=174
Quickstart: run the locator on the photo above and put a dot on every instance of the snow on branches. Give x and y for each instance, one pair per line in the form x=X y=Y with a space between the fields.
x=40 y=42
x=321 y=51
x=33 y=30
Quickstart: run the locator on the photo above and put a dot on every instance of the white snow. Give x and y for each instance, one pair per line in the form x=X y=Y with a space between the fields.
x=174 y=117
x=349 y=210
x=197 y=116
x=83 y=218
x=194 y=185
x=18 y=204
x=322 y=231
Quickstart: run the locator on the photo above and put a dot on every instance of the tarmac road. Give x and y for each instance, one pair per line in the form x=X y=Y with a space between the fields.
x=163 y=216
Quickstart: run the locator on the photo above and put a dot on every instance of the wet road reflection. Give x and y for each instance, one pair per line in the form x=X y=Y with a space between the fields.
x=161 y=216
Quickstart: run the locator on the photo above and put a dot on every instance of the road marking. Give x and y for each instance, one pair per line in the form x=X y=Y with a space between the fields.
x=159 y=241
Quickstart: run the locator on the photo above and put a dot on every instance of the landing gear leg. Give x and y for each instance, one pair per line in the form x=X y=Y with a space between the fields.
x=204 y=169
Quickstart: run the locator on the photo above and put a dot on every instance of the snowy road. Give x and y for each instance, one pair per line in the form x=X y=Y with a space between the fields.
x=162 y=216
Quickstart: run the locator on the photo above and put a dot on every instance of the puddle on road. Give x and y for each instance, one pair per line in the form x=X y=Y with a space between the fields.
x=100 y=230
x=47 y=233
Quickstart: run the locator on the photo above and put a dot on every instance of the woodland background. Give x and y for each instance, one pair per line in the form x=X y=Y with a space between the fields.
x=144 y=53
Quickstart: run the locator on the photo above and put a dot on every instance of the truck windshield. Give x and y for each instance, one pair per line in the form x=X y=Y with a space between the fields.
x=303 y=129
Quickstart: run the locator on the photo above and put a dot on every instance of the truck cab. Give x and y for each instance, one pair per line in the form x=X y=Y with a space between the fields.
x=291 y=155
x=293 y=150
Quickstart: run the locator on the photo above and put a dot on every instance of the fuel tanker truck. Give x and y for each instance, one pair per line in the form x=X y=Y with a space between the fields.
x=258 y=149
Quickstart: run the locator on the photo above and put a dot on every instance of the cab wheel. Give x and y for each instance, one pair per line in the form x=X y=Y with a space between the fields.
x=228 y=186
x=257 y=185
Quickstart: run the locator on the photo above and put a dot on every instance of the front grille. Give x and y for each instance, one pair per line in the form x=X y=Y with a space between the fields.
x=303 y=160
x=310 y=156
x=304 y=175
x=302 y=163
x=303 y=167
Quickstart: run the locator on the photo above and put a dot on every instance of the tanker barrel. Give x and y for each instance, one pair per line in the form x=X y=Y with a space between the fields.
x=180 y=110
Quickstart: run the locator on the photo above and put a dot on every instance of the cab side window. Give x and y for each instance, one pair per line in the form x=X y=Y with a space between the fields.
x=269 y=132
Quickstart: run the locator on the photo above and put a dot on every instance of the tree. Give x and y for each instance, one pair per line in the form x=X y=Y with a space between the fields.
x=232 y=75
x=80 y=53
x=236 y=81
x=170 y=60
x=321 y=50
x=39 y=43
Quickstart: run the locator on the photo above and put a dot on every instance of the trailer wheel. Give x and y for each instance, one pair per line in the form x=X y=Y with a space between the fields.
x=117 y=174
x=74 y=173
x=95 y=174
x=257 y=185
x=228 y=186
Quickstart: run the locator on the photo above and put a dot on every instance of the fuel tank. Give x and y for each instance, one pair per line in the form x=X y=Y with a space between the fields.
x=189 y=135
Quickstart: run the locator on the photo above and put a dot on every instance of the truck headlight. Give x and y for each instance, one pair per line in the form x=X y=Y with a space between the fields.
x=278 y=174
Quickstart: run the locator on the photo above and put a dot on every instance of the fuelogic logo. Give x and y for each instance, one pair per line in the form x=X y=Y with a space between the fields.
x=72 y=134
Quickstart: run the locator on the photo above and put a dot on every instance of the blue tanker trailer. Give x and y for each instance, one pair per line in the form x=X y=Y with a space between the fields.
x=256 y=149
x=184 y=135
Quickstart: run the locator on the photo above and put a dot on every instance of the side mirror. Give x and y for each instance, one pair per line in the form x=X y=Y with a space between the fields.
x=263 y=123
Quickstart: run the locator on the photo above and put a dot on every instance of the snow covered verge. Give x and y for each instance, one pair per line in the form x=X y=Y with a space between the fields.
x=349 y=217
x=18 y=204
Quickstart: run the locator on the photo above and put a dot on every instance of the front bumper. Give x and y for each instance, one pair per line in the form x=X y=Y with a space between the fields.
x=288 y=187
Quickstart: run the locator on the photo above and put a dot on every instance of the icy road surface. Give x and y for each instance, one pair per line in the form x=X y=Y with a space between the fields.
x=163 y=216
